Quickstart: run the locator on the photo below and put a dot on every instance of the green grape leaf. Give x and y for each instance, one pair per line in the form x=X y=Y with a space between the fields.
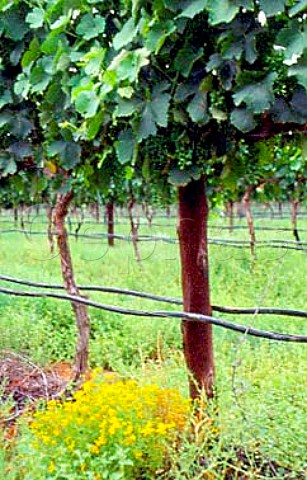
x=91 y=26
x=193 y=7
x=61 y=22
x=16 y=53
x=87 y=103
x=294 y=39
x=243 y=120
x=35 y=18
x=248 y=4
x=198 y=108
x=250 y=48
x=93 y=61
x=126 y=107
x=5 y=118
x=271 y=8
x=128 y=64
x=146 y=169
x=31 y=54
x=13 y=25
x=179 y=178
x=71 y=155
x=39 y=78
x=94 y=125
x=56 y=148
x=22 y=85
x=125 y=92
x=147 y=124
x=126 y=34
x=68 y=152
x=160 y=103
x=155 y=112
x=6 y=98
x=21 y=126
x=20 y=149
x=222 y=11
x=125 y=146
x=298 y=7
x=8 y=165
x=258 y=97
x=184 y=91
x=158 y=34
x=299 y=71
x=185 y=59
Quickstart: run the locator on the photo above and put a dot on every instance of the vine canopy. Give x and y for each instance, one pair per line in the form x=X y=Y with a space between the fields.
x=149 y=80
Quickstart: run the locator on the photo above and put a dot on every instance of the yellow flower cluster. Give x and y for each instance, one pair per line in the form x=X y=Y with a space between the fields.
x=102 y=416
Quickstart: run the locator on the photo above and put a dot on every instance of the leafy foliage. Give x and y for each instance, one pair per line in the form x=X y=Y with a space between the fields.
x=107 y=77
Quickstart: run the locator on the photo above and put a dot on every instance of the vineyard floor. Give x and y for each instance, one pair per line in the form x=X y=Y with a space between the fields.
x=259 y=384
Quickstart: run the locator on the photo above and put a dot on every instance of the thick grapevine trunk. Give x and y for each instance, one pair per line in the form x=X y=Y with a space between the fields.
x=250 y=220
x=82 y=319
x=110 y=222
x=49 y=210
x=197 y=337
x=22 y=223
x=97 y=212
x=268 y=206
x=229 y=212
x=80 y=220
x=294 y=212
x=149 y=213
x=15 y=211
x=134 y=225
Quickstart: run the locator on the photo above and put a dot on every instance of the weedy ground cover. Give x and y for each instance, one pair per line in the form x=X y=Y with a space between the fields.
x=260 y=386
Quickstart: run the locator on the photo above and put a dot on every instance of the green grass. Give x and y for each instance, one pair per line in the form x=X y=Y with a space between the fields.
x=260 y=384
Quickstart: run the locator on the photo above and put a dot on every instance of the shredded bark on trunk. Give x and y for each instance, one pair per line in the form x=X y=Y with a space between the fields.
x=97 y=212
x=15 y=210
x=294 y=212
x=149 y=213
x=229 y=212
x=21 y=217
x=49 y=211
x=267 y=205
x=81 y=314
x=80 y=220
x=197 y=337
x=110 y=222
x=134 y=225
x=250 y=220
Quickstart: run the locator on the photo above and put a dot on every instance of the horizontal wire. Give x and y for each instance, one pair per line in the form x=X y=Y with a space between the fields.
x=163 y=314
x=160 y=298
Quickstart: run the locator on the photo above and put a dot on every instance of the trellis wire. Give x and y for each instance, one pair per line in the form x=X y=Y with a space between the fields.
x=280 y=244
x=160 y=298
x=87 y=221
x=163 y=314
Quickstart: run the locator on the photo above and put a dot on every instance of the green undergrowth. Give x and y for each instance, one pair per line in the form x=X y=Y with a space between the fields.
x=259 y=387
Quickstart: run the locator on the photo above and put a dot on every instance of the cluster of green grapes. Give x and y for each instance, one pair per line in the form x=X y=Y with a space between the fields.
x=184 y=155
x=283 y=85
x=217 y=99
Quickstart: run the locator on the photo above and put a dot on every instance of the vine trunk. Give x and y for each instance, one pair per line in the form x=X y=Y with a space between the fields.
x=80 y=311
x=197 y=337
